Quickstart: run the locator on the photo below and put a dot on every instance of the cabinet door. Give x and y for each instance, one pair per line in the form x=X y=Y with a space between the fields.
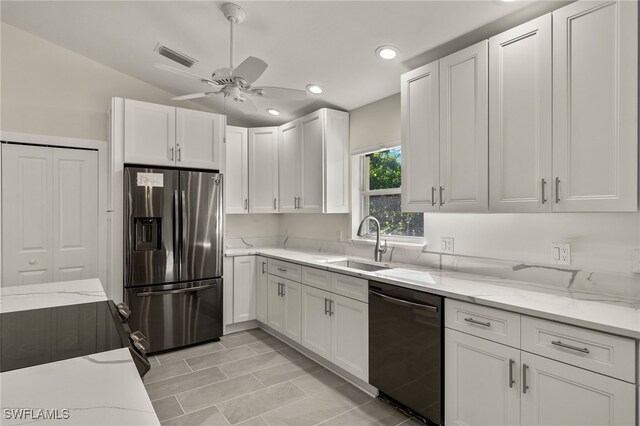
x=75 y=214
x=560 y=394
x=520 y=118
x=595 y=106
x=199 y=137
x=350 y=335
x=336 y=163
x=290 y=166
x=244 y=288
x=275 y=310
x=262 y=290
x=482 y=386
x=316 y=322
x=263 y=170
x=312 y=153
x=27 y=199
x=464 y=152
x=292 y=309
x=149 y=133
x=420 y=139
x=236 y=178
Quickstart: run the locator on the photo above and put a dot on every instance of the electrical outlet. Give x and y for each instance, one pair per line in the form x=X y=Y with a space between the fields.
x=446 y=244
x=561 y=253
x=635 y=261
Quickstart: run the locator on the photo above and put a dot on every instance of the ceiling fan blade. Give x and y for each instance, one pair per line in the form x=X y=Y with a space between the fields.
x=184 y=73
x=248 y=106
x=281 y=93
x=192 y=96
x=250 y=69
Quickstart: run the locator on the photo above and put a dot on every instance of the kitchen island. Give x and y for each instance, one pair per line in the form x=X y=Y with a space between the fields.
x=101 y=388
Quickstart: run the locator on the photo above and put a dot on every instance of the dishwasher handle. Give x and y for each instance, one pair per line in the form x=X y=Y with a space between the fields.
x=404 y=302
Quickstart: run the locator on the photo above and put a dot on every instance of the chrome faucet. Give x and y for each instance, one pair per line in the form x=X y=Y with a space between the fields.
x=378 y=251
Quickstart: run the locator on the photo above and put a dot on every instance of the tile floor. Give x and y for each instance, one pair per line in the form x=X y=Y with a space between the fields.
x=252 y=378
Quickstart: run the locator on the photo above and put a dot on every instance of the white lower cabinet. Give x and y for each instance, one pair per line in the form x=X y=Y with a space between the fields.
x=489 y=383
x=284 y=307
x=336 y=328
x=560 y=394
x=481 y=381
x=244 y=288
x=262 y=289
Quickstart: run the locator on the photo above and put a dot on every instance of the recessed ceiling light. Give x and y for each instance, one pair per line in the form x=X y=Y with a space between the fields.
x=273 y=111
x=387 y=52
x=314 y=88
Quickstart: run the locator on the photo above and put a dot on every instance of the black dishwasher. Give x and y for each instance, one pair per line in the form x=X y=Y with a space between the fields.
x=405 y=348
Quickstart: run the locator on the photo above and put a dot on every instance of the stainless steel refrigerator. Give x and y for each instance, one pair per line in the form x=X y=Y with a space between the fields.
x=173 y=255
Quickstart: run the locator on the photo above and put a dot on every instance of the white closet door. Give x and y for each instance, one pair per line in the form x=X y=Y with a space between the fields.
x=520 y=118
x=263 y=170
x=236 y=178
x=595 y=106
x=464 y=151
x=27 y=217
x=75 y=214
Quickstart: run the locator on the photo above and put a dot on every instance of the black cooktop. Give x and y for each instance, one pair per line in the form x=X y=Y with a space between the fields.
x=40 y=336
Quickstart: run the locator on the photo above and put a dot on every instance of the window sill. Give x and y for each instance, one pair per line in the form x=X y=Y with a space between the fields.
x=390 y=243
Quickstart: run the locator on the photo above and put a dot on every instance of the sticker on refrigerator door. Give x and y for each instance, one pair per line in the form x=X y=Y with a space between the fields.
x=150 y=179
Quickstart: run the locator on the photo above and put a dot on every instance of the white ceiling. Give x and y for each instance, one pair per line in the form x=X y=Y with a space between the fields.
x=331 y=43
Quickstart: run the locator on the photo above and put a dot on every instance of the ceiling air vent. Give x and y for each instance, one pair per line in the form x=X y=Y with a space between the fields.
x=175 y=56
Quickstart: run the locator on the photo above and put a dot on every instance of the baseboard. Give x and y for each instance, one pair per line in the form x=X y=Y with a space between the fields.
x=359 y=383
x=240 y=326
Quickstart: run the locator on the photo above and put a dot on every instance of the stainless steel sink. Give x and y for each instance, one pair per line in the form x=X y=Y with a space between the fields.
x=354 y=264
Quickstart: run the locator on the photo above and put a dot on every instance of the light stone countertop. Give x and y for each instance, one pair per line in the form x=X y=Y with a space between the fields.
x=590 y=310
x=100 y=389
x=36 y=296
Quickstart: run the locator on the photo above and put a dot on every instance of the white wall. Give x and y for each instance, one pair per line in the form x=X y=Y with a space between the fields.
x=252 y=225
x=49 y=90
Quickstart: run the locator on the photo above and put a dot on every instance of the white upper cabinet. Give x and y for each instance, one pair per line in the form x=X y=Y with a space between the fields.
x=464 y=158
x=236 y=177
x=314 y=163
x=520 y=118
x=149 y=133
x=290 y=166
x=263 y=170
x=198 y=138
x=420 y=139
x=161 y=135
x=595 y=106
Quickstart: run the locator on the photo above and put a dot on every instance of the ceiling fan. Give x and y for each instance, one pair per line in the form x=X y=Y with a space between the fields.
x=236 y=82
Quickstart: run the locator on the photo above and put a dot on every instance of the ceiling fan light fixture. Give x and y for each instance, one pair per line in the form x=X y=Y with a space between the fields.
x=316 y=89
x=387 y=52
x=273 y=111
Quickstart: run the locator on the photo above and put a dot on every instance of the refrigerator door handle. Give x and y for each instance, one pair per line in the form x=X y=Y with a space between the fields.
x=183 y=240
x=180 y=290
x=176 y=231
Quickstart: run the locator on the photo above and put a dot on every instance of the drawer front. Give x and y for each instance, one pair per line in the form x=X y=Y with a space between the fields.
x=316 y=278
x=592 y=350
x=346 y=285
x=493 y=324
x=287 y=270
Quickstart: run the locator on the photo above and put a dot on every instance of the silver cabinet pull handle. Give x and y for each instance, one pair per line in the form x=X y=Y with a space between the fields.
x=511 y=379
x=567 y=346
x=473 y=321
x=557 y=190
x=326 y=309
x=525 y=387
x=179 y=154
x=543 y=183
x=264 y=267
x=284 y=293
x=331 y=312
x=275 y=204
x=295 y=202
x=441 y=199
x=279 y=289
x=433 y=196
x=171 y=153
x=245 y=204
x=282 y=269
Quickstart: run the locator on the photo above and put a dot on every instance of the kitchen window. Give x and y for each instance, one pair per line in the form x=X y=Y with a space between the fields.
x=379 y=175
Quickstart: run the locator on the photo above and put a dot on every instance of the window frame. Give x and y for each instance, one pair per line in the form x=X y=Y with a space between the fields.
x=360 y=199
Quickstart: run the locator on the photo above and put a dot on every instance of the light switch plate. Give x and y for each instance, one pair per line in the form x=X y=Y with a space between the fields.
x=561 y=253
x=446 y=244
